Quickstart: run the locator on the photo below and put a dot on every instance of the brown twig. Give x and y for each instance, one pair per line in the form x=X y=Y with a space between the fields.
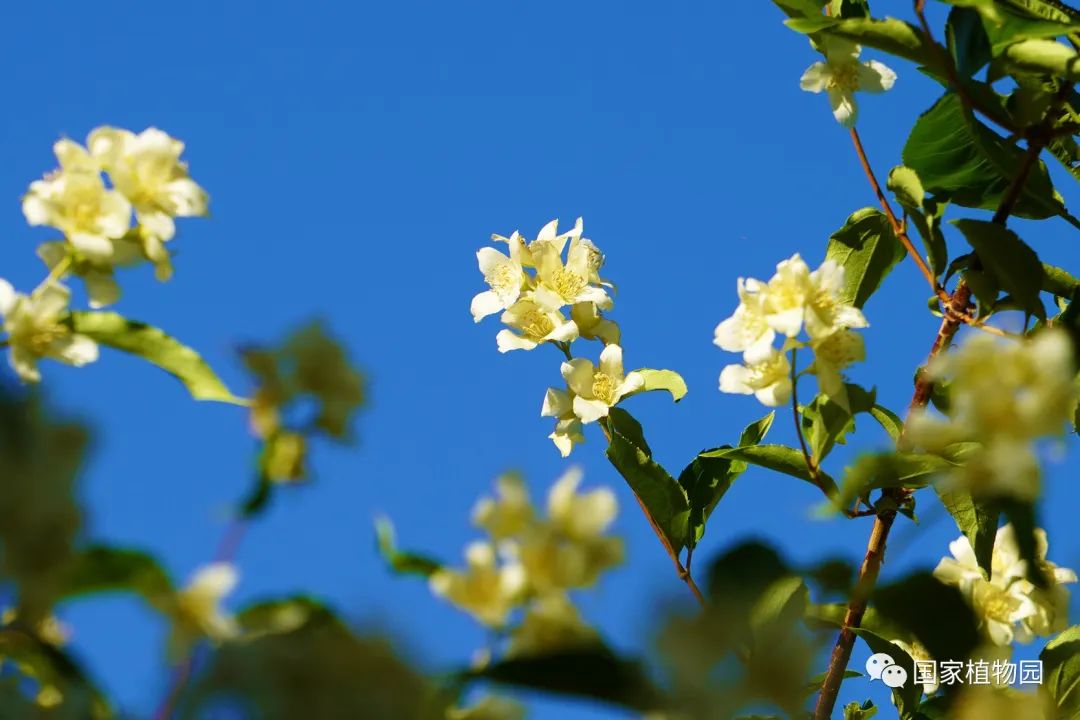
x=898 y=227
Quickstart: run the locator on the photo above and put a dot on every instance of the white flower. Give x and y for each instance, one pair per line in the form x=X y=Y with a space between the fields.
x=795 y=297
x=570 y=282
x=570 y=550
x=842 y=74
x=505 y=277
x=490 y=707
x=198 y=611
x=510 y=514
x=831 y=355
x=1003 y=395
x=74 y=200
x=747 y=328
x=597 y=389
x=1008 y=605
x=767 y=376
x=486 y=590
x=536 y=323
x=35 y=331
x=569 y=431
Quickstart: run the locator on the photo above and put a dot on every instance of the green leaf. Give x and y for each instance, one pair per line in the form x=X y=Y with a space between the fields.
x=831 y=615
x=1044 y=57
x=800 y=8
x=962 y=160
x=780 y=458
x=935 y=613
x=891 y=35
x=977 y=519
x=1022 y=517
x=101 y=568
x=867 y=249
x=907 y=696
x=29 y=656
x=1015 y=28
x=874 y=471
x=967 y=40
x=706 y=479
x=402 y=563
x=906 y=186
x=662 y=497
x=594 y=673
x=1061 y=672
x=825 y=422
x=1045 y=9
x=663 y=380
x=1010 y=262
x=154 y=346
x=1059 y=282
x=889 y=420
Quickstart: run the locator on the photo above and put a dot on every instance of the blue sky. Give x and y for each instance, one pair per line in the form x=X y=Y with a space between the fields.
x=357 y=155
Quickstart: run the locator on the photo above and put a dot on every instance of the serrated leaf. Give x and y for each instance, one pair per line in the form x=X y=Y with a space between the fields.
x=662 y=497
x=962 y=160
x=977 y=519
x=1044 y=57
x=154 y=346
x=1045 y=9
x=780 y=458
x=888 y=420
x=875 y=471
x=891 y=35
x=826 y=422
x=402 y=563
x=1011 y=263
x=663 y=380
x=867 y=249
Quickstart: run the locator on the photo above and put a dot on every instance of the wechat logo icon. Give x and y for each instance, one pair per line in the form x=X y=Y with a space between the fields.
x=880 y=666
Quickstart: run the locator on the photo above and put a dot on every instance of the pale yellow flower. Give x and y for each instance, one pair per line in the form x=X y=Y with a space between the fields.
x=766 y=375
x=485 y=589
x=535 y=323
x=569 y=431
x=596 y=389
x=841 y=75
x=35 y=329
x=509 y=514
x=198 y=611
x=571 y=282
x=147 y=169
x=75 y=201
x=832 y=354
x=594 y=326
x=506 y=278
x=795 y=298
x=748 y=327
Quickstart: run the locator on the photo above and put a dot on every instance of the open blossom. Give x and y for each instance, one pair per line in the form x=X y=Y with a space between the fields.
x=832 y=355
x=594 y=326
x=35 y=329
x=146 y=168
x=536 y=322
x=766 y=376
x=747 y=328
x=569 y=431
x=795 y=298
x=505 y=276
x=508 y=515
x=570 y=550
x=486 y=589
x=1003 y=395
x=1008 y=605
x=198 y=612
x=841 y=74
x=75 y=201
x=598 y=388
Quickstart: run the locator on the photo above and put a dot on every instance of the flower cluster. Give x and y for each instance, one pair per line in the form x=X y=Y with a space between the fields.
x=1003 y=395
x=530 y=563
x=196 y=609
x=794 y=300
x=546 y=300
x=147 y=177
x=1007 y=604
x=842 y=74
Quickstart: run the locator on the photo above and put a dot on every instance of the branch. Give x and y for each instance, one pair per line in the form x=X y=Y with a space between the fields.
x=898 y=228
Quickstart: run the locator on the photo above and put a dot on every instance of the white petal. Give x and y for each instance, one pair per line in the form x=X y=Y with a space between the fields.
x=50 y=301
x=776 y=394
x=875 y=77
x=566 y=332
x=25 y=364
x=94 y=247
x=8 y=296
x=611 y=362
x=215 y=579
x=490 y=259
x=556 y=403
x=843 y=107
x=733 y=379
x=484 y=304
x=590 y=410
x=102 y=289
x=186 y=197
x=508 y=341
x=578 y=374
x=787 y=322
x=815 y=78
x=77 y=350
